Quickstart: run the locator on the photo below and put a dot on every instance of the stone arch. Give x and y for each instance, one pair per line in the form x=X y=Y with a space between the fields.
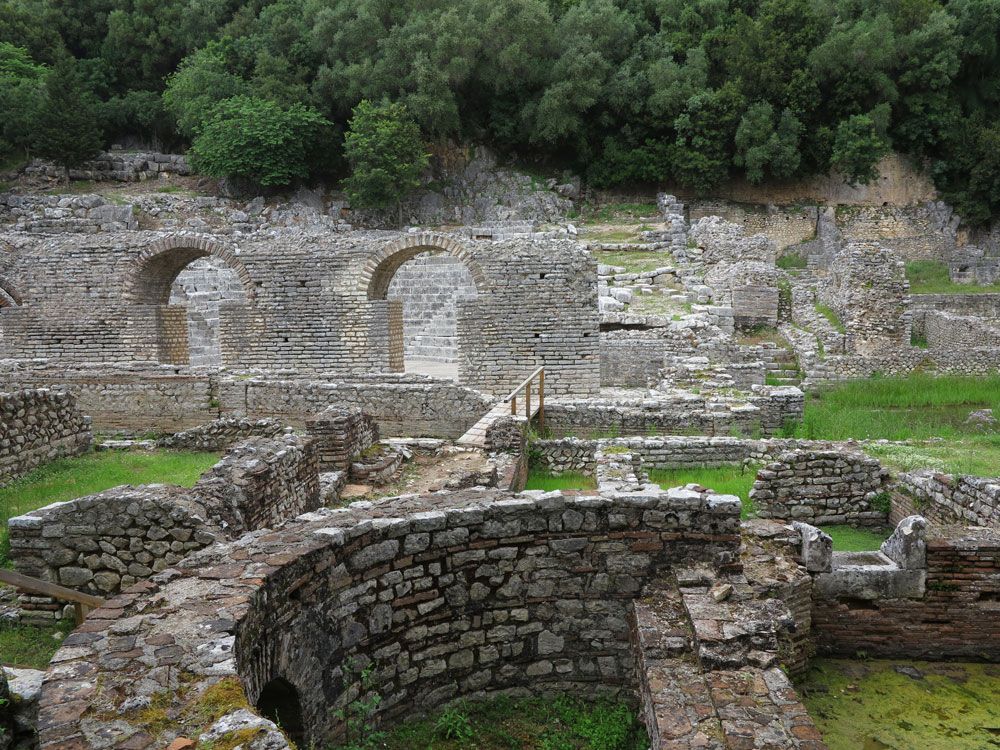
x=279 y=702
x=153 y=273
x=382 y=266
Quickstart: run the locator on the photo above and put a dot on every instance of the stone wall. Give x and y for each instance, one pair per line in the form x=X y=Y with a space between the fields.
x=784 y=225
x=925 y=231
x=821 y=487
x=943 y=330
x=220 y=434
x=954 y=619
x=949 y=499
x=985 y=306
x=341 y=434
x=108 y=541
x=446 y=595
x=38 y=426
x=631 y=358
x=311 y=300
x=202 y=289
x=261 y=483
x=50 y=214
x=764 y=410
x=165 y=399
x=118 y=166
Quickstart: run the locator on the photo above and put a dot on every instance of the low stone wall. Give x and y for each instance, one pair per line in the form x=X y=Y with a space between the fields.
x=948 y=498
x=220 y=434
x=946 y=330
x=445 y=595
x=38 y=426
x=954 y=619
x=142 y=397
x=108 y=541
x=577 y=455
x=822 y=487
x=262 y=483
x=340 y=435
x=765 y=410
x=49 y=214
x=118 y=166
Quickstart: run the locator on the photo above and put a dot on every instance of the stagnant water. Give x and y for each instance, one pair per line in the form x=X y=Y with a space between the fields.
x=895 y=705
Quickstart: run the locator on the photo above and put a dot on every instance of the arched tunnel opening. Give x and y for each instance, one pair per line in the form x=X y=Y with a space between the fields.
x=279 y=702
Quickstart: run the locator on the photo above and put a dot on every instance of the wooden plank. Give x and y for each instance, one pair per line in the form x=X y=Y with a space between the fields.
x=45 y=588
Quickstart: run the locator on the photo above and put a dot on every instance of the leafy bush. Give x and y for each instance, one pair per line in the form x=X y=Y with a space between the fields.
x=259 y=141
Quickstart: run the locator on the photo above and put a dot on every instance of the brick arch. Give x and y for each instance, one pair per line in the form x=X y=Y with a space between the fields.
x=382 y=266
x=151 y=276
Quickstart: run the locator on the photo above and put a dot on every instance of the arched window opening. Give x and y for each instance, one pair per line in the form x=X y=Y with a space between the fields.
x=201 y=289
x=279 y=702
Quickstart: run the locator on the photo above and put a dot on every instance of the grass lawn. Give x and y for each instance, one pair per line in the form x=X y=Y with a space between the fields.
x=852 y=539
x=931 y=277
x=634 y=262
x=69 y=478
x=917 y=407
x=726 y=480
x=541 y=480
x=503 y=723
x=978 y=456
x=31 y=646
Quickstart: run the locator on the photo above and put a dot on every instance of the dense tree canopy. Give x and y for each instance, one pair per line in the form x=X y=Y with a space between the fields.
x=693 y=91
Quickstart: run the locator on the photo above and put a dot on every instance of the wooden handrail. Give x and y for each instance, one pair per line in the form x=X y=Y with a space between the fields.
x=82 y=603
x=525 y=385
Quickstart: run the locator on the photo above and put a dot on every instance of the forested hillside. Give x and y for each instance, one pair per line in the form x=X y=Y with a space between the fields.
x=692 y=91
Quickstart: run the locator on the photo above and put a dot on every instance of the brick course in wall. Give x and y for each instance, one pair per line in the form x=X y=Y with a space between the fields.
x=38 y=426
x=340 y=434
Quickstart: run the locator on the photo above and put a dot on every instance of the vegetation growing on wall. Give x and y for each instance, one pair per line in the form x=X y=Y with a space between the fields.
x=692 y=91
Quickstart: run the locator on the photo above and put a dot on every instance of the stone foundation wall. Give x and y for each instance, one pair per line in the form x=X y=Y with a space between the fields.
x=985 y=306
x=340 y=435
x=578 y=455
x=955 y=619
x=445 y=595
x=118 y=166
x=631 y=358
x=51 y=214
x=166 y=399
x=821 y=487
x=950 y=499
x=261 y=483
x=105 y=542
x=38 y=426
x=944 y=330
x=220 y=434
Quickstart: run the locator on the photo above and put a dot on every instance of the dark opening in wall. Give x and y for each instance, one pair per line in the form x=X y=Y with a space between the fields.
x=279 y=702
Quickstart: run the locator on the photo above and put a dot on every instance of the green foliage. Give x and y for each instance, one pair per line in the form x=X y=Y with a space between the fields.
x=569 y=480
x=202 y=81
x=831 y=315
x=454 y=724
x=259 y=141
x=792 y=260
x=857 y=148
x=31 y=646
x=66 y=127
x=358 y=715
x=386 y=154
x=21 y=96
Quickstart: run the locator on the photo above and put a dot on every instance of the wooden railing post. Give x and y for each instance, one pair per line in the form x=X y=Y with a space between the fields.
x=541 y=400
x=527 y=401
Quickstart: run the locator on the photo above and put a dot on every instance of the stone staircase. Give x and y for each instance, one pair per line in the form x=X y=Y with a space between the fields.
x=706 y=656
x=783 y=368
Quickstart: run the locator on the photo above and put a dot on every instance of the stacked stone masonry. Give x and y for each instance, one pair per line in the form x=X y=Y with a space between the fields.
x=108 y=541
x=822 y=487
x=220 y=434
x=38 y=426
x=948 y=499
x=340 y=435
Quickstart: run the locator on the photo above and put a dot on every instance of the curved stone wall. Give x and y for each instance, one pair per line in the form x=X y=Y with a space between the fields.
x=445 y=595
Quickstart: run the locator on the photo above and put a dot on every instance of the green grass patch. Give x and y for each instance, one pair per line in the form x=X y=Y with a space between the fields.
x=613 y=235
x=726 y=480
x=541 y=480
x=977 y=456
x=617 y=211
x=31 y=646
x=69 y=478
x=932 y=277
x=792 y=260
x=917 y=407
x=634 y=262
x=931 y=705
x=831 y=315
x=853 y=539
x=503 y=723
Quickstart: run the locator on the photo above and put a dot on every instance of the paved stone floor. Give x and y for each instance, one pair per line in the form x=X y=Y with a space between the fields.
x=446 y=370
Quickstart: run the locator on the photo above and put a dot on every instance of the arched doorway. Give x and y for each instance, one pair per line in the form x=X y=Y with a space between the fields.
x=279 y=702
x=424 y=280
x=185 y=288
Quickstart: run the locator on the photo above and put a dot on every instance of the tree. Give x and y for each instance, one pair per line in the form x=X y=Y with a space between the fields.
x=202 y=81
x=259 y=142
x=858 y=146
x=763 y=148
x=386 y=154
x=67 y=129
x=703 y=149
x=21 y=91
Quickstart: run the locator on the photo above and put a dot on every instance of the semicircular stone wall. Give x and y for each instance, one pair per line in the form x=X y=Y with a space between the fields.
x=453 y=594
